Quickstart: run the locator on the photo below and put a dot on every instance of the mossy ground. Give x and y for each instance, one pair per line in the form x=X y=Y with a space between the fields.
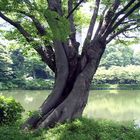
x=81 y=129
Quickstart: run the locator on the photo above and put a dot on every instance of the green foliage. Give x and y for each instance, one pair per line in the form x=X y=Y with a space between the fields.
x=114 y=86
x=118 y=75
x=10 y=110
x=136 y=58
x=117 y=55
x=82 y=19
x=86 y=129
x=7 y=85
x=14 y=132
x=16 y=66
x=60 y=26
x=5 y=65
x=38 y=84
x=81 y=129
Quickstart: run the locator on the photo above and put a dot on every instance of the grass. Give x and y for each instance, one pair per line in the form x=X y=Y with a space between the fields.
x=81 y=129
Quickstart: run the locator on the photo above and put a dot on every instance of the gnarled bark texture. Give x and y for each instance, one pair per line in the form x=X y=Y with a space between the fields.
x=70 y=93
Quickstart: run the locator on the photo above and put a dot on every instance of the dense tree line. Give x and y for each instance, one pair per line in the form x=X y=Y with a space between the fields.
x=20 y=69
x=16 y=67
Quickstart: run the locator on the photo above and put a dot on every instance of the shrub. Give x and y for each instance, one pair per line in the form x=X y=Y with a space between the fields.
x=117 y=75
x=10 y=110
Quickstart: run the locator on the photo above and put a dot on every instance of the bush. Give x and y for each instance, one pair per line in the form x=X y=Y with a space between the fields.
x=117 y=75
x=10 y=110
x=7 y=85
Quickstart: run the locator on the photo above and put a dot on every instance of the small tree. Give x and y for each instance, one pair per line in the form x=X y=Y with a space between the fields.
x=49 y=26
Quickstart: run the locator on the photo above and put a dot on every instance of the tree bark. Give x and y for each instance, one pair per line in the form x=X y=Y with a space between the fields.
x=70 y=102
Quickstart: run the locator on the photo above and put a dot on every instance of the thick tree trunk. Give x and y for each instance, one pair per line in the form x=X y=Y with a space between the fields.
x=70 y=102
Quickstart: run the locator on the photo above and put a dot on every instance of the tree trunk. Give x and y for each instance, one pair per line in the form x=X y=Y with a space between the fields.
x=68 y=105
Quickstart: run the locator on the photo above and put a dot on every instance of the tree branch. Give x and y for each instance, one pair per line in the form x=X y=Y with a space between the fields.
x=27 y=36
x=127 y=36
x=39 y=27
x=77 y=5
x=117 y=33
x=71 y=20
x=121 y=12
x=100 y=23
x=48 y=56
x=136 y=6
x=93 y=20
x=108 y=18
x=44 y=54
x=55 y=5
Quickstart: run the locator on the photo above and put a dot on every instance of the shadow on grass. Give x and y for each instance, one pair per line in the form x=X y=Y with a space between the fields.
x=81 y=129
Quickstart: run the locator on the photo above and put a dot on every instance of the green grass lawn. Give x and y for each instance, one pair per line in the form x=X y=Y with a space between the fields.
x=82 y=129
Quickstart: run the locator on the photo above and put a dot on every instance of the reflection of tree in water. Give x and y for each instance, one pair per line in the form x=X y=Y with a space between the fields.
x=121 y=106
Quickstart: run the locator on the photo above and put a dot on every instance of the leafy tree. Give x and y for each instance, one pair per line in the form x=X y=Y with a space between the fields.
x=18 y=65
x=117 y=56
x=136 y=59
x=6 y=73
x=34 y=67
x=50 y=28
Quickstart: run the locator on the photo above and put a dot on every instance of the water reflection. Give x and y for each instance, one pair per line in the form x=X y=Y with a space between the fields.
x=114 y=104
x=121 y=106
x=28 y=99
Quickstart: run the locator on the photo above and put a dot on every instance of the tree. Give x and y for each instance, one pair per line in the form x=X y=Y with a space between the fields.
x=6 y=73
x=49 y=26
x=117 y=56
x=18 y=64
x=136 y=59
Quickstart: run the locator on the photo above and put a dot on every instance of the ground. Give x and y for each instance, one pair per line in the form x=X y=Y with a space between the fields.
x=81 y=129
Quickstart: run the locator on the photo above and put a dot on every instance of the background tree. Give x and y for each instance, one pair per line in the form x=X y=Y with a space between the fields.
x=50 y=27
x=136 y=59
x=117 y=56
x=6 y=73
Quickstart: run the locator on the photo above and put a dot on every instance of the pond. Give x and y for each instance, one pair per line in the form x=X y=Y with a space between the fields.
x=119 y=105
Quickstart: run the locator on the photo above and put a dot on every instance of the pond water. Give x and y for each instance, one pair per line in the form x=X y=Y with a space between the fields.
x=119 y=105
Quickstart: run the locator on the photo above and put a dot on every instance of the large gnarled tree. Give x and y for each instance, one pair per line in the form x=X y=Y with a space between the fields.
x=49 y=26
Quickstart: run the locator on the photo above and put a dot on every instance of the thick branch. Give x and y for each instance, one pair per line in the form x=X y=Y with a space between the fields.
x=93 y=20
x=39 y=27
x=27 y=36
x=47 y=55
